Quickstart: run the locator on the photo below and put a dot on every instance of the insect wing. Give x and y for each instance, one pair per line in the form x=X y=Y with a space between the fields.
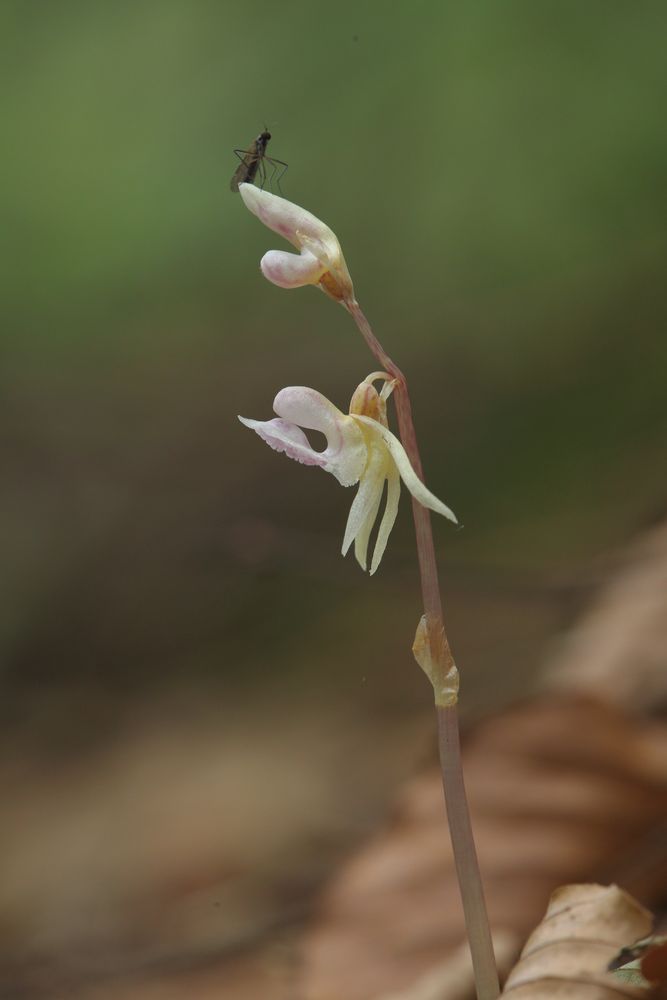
x=251 y=161
x=246 y=169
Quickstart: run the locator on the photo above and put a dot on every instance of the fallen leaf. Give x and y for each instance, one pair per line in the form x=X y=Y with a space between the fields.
x=568 y=952
x=562 y=789
x=618 y=649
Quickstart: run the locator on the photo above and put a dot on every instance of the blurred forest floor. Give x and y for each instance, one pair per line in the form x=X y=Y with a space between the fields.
x=182 y=849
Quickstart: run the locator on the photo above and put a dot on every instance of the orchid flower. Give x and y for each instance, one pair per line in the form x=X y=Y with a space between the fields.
x=321 y=260
x=360 y=449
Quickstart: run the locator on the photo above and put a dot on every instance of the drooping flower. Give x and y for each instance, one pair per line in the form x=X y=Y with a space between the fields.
x=320 y=261
x=360 y=449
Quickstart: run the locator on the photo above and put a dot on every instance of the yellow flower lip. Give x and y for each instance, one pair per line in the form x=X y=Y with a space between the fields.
x=360 y=449
x=320 y=261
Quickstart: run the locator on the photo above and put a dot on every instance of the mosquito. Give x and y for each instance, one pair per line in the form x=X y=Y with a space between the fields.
x=253 y=160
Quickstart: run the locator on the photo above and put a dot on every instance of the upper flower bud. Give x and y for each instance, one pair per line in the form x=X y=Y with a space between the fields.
x=321 y=260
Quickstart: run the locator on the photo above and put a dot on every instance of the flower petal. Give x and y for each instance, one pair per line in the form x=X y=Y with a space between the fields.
x=286 y=437
x=365 y=505
x=346 y=454
x=389 y=516
x=288 y=220
x=307 y=233
x=407 y=473
x=363 y=535
x=287 y=270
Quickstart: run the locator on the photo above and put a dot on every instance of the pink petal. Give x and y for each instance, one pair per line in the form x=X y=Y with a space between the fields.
x=286 y=218
x=346 y=453
x=308 y=234
x=287 y=270
x=286 y=437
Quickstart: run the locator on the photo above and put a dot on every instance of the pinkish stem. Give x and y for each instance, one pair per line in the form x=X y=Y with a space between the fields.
x=458 y=816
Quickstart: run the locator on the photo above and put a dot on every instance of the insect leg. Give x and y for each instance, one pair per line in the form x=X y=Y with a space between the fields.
x=275 y=164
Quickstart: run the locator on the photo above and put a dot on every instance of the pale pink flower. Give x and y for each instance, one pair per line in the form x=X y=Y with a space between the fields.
x=320 y=261
x=360 y=449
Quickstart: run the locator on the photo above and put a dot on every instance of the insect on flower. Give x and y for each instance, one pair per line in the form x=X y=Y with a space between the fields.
x=252 y=161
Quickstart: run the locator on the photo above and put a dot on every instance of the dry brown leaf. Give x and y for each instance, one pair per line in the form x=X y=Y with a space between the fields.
x=563 y=789
x=567 y=954
x=453 y=979
x=618 y=651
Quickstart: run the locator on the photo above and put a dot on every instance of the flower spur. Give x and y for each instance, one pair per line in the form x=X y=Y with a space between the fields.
x=360 y=449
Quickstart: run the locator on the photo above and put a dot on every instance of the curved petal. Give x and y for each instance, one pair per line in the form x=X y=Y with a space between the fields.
x=307 y=233
x=289 y=270
x=389 y=516
x=286 y=437
x=365 y=506
x=364 y=533
x=407 y=473
x=287 y=219
x=346 y=454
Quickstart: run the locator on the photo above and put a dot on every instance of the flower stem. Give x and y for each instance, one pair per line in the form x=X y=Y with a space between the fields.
x=458 y=816
x=465 y=855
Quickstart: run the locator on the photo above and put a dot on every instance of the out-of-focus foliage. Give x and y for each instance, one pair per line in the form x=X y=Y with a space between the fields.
x=496 y=176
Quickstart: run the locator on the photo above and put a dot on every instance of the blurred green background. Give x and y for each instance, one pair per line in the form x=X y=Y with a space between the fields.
x=496 y=176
